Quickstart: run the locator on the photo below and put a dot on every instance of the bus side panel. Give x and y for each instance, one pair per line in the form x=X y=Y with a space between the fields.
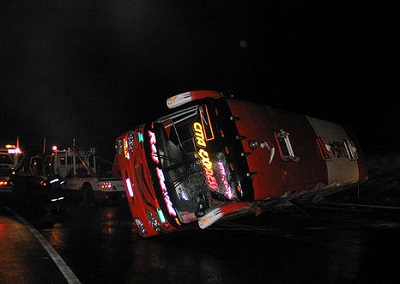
x=255 y=124
x=281 y=176
x=307 y=169
x=341 y=169
x=362 y=166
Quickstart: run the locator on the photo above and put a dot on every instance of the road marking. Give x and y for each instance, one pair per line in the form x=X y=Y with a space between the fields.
x=64 y=268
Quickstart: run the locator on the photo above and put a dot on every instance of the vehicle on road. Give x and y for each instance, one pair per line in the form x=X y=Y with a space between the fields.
x=5 y=182
x=213 y=157
x=40 y=193
x=10 y=156
x=24 y=185
x=85 y=175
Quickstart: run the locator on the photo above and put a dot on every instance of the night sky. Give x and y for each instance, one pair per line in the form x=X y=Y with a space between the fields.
x=91 y=70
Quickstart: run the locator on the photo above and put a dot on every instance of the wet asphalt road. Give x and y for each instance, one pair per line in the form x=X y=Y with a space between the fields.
x=99 y=245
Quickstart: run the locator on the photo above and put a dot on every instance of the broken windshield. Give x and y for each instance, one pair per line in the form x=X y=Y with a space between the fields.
x=193 y=162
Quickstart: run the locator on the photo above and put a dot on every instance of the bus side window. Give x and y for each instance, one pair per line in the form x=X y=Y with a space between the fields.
x=284 y=146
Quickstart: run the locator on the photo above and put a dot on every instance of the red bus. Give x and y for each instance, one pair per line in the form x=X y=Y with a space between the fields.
x=212 y=157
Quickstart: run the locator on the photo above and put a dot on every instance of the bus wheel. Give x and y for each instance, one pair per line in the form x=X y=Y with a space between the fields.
x=87 y=192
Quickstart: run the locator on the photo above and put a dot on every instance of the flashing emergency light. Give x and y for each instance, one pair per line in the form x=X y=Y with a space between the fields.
x=14 y=151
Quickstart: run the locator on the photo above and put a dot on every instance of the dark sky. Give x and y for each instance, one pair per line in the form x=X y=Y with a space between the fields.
x=91 y=70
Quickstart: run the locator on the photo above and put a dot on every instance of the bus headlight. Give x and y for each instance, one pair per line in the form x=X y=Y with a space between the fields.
x=153 y=221
x=140 y=226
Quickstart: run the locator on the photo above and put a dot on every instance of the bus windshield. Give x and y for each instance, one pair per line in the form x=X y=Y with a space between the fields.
x=193 y=162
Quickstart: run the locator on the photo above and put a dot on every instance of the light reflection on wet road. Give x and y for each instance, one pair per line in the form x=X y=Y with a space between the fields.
x=100 y=246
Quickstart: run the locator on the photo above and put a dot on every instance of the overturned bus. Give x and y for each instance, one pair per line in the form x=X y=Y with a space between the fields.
x=213 y=158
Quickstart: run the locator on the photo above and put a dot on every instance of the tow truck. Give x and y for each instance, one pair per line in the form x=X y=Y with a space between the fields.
x=213 y=158
x=86 y=176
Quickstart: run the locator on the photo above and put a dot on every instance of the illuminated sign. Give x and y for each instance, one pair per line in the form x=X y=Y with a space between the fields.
x=126 y=152
x=153 y=147
x=228 y=188
x=205 y=158
x=199 y=135
x=167 y=200
x=160 y=174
